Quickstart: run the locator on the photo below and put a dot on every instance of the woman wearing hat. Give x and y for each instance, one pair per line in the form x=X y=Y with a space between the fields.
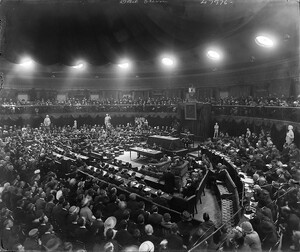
x=185 y=227
x=251 y=237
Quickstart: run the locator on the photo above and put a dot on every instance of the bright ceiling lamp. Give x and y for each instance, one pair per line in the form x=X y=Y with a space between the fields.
x=78 y=66
x=214 y=55
x=124 y=65
x=264 y=41
x=26 y=62
x=167 y=61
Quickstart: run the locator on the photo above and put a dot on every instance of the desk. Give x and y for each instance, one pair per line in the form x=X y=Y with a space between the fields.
x=146 y=152
x=135 y=184
x=166 y=142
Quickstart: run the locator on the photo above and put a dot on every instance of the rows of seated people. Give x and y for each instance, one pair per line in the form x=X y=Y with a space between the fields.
x=275 y=192
x=269 y=100
x=43 y=211
x=26 y=199
x=275 y=174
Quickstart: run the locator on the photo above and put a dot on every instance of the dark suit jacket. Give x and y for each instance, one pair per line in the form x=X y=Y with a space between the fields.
x=123 y=237
x=175 y=242
x=32 y=244
x=8 y=239
x=169 y=179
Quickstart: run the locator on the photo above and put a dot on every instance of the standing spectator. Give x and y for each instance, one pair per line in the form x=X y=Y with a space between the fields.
x=205 y=230
x=123 y=237
x=185 y=227
x=8 y=236
x=169 y=179
x=155 y=219
x=175 y=241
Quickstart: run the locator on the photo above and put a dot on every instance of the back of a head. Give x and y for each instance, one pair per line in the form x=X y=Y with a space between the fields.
x=140 y=219
x=109 y=247
x=174 y=228
x=154 y=209
x=81 y=221
x=123 y=224
x=206 y=217
x=126 y=214
x=109 y=233
x=149 y=229
x=141 y=204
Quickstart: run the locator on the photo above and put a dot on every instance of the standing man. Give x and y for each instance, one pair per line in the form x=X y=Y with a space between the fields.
x=47 y=123
x=216 y=130
x=169 y=179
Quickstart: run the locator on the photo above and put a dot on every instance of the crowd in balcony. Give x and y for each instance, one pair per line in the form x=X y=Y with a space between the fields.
x=86 y=105
x=271 y=100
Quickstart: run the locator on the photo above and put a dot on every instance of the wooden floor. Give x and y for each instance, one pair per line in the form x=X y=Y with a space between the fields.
x=209 y=201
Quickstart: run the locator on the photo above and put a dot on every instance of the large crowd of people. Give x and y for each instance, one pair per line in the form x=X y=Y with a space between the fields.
x=50 y=204
x=273 y=201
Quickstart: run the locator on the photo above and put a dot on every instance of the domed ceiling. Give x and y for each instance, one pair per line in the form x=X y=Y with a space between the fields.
x=56 y=33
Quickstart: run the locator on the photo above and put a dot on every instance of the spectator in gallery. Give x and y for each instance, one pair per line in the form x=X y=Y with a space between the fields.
x=216 y=130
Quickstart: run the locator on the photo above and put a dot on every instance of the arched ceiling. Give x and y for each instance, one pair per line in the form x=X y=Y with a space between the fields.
x=56 y=33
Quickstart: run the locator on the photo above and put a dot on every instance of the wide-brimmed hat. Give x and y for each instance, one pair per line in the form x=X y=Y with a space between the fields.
x=146 y=246
x=186 y=216
x=110 y=222
x=53 y=244
x=73 y=209
x=33 y=232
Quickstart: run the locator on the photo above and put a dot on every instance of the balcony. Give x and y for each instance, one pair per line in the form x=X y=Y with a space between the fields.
x=291 y=114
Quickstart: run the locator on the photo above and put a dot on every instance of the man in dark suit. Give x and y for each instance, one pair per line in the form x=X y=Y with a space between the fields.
x=123 y=237
x=8 y=236
x=169 y=179
x=175 y=241
x=155 y=218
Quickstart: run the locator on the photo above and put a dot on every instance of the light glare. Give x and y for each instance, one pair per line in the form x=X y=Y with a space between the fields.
x=264 y=41
x=124 y=65
x=26 y=63
x=214 y=55
x=167 y=61
x=79 y=66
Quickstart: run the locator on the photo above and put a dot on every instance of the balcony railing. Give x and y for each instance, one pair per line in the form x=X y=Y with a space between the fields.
x=266 y=112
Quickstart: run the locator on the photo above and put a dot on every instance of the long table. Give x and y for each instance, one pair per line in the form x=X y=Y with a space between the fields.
x=146 y=152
